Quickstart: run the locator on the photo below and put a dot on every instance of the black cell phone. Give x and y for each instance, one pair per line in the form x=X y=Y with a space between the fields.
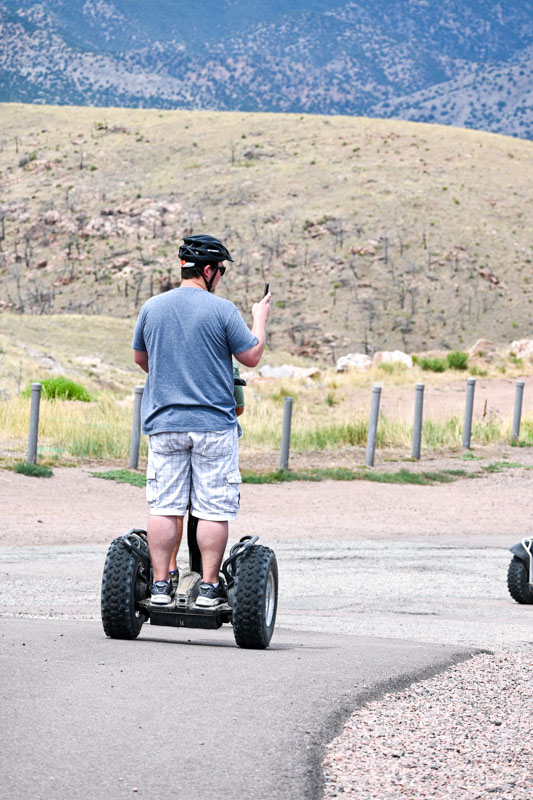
x=267 y=289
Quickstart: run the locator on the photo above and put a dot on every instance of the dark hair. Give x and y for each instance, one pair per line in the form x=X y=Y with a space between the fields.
x=191 y=272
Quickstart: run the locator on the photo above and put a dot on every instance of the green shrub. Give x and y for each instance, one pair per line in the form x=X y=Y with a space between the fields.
x=476 y=371
x=392 y=368
x=61 y=389
x=282 y=393
x=386 y=367
x=457 y=360
x=122 y=476
x=433 y=364
x=33 y=470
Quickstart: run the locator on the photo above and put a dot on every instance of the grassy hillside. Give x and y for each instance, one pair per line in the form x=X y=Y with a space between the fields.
x=373 y=234
x=92 y=350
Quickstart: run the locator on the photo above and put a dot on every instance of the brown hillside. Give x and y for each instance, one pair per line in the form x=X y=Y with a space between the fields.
x=373 y=234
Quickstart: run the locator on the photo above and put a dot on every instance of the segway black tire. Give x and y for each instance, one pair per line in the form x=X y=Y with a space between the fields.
x=124 y=582
x=517 y=580
x=255 y=598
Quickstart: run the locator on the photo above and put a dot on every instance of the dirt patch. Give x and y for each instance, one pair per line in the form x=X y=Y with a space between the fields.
x=73 y=507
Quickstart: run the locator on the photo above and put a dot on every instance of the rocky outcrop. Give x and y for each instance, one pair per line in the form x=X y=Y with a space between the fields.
x=288 y=371
x=353 y=361
x=392 y=357
x=482 y=348
x=522 y=348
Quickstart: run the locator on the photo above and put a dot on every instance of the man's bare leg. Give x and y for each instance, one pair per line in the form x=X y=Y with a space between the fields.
x=212 y=538
x=162 y=538
x=173 y=565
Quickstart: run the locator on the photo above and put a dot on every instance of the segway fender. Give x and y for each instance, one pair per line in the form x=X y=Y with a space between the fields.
x=524 y=551
x=132 y=541
x=520 y=552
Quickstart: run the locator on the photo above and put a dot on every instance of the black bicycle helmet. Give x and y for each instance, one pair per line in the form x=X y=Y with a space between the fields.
x=202 y=250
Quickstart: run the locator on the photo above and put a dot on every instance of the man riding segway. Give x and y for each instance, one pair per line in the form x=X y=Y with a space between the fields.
x=184 y=340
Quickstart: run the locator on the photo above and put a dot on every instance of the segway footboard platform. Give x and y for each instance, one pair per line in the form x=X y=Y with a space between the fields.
x=194 y=618
x=251 y=576
x=183 y=611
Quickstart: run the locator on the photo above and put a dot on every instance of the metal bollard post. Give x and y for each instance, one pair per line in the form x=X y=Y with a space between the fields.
x=373 y=426
x=469 y=410
x=136 y=427
x=286 y=434
x=517 y=414
x=417 y=427
x=34 y=422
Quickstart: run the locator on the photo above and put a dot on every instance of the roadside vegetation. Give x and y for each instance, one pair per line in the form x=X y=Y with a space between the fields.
x=400 y=476
x=33 y=470
x=60 y=389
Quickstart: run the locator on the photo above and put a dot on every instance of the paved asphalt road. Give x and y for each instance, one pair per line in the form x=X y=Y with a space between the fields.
x=184 y=714
x=419 y=591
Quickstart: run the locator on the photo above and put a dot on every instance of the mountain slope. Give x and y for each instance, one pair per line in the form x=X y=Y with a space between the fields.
x=498 y=98
x=324 y=56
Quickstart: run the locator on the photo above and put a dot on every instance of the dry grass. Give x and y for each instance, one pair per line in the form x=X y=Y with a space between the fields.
x=93 y=350
x=70 y=430
x=96 y=352
x=101 y=431
x=330 y=411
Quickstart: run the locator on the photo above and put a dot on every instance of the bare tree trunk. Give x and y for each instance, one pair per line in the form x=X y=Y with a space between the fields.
x=352 y=269
x=138 y=290
x=19 y=293
x=385 y=241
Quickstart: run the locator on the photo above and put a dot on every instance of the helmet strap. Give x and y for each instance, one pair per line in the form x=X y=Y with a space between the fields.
x=209 y=283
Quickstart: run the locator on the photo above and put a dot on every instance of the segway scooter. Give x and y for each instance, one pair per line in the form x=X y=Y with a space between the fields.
x=251 y=576
x=250 y=572
x=520 y=572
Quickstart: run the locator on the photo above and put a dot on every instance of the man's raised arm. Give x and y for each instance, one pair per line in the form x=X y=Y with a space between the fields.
x=261 y=313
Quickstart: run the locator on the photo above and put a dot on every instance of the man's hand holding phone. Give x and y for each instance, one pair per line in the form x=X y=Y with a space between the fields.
x=261 y=311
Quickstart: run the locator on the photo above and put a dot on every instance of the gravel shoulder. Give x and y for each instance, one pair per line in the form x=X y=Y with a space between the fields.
x=463 y=734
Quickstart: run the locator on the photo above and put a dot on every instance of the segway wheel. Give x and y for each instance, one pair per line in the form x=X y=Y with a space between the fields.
x=255 y=598
x=124 y=583
x=517 y=580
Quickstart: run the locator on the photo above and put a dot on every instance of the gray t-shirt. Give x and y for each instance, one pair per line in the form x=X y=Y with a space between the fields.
x=190 y=335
